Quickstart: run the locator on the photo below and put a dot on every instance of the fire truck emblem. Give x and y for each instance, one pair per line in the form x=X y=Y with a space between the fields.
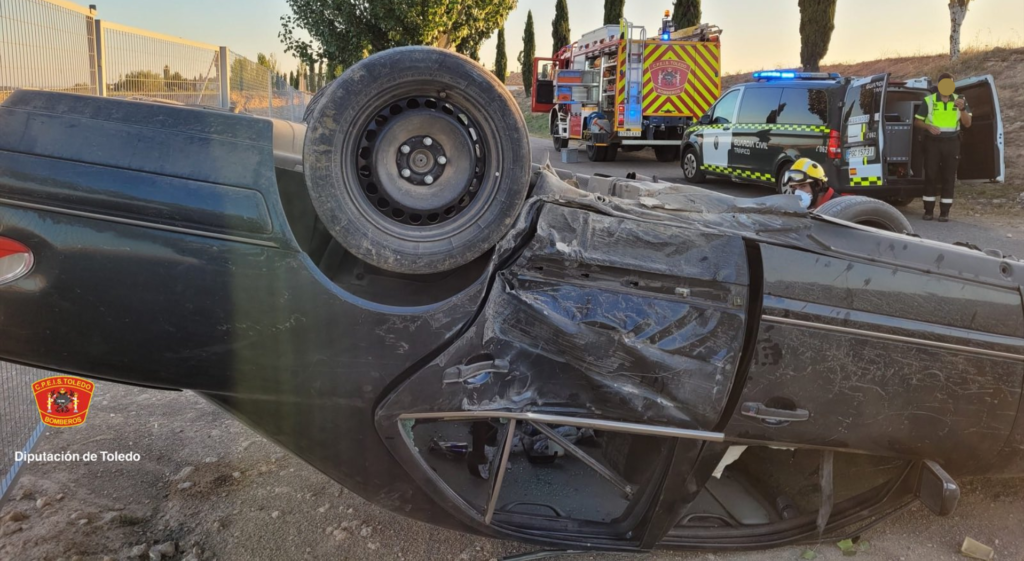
x=63 y=401
x=669 y=76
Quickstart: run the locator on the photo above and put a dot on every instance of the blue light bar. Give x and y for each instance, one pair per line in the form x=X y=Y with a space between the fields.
x=666 y=36
x=794 y=75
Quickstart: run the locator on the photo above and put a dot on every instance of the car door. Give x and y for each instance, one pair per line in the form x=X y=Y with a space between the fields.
x=883 y=357
x=862 y=132
x=753 y=157
x=634 y=330
x=717 y=137
x=981 y=147
x=542 y=98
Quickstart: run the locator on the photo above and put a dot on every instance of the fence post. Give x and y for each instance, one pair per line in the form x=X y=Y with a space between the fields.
x=225 y=78
x=270 y=92
x=101 y=60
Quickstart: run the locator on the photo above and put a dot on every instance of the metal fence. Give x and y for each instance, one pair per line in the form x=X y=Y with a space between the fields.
x=20 y=426
x=47 y=44
x=57 y=45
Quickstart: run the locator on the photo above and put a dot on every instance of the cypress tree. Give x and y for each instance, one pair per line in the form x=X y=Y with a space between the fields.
x=686 y=13
x=501 y=60
x=560 y=33
x=817 y=20
x=529 y=51
x=613 y=11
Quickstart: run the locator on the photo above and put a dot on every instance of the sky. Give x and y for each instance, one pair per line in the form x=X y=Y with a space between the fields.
x=756 y=33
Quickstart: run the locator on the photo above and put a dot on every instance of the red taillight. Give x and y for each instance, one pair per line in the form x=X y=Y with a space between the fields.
x=622 y=115
x=15 y=260
x=834 y=151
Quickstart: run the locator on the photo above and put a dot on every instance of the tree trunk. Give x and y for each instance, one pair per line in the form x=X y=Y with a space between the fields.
x=956 y=19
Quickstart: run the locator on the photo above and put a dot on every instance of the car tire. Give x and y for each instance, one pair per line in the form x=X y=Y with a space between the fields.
x=416 y=160
x=867 y=212
x=596 y=153
x=691 y=166
x=666 y=153
x=779 y=187
x=612 y=153
x=899 y=201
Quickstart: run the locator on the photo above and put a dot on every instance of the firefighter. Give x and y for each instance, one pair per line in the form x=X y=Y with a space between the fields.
x=807 y=180
x=941 y=116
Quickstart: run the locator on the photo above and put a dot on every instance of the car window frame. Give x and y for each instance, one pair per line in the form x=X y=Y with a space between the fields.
x=825 y=90
x=739 y=93
x=753 y=92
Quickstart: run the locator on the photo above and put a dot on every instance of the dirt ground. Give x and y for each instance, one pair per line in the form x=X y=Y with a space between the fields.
x=217 y=490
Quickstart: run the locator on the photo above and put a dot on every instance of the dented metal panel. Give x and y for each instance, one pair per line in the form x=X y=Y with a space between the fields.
x=602 y=317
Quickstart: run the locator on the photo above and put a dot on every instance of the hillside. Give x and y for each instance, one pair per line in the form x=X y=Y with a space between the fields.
x=1005 y=65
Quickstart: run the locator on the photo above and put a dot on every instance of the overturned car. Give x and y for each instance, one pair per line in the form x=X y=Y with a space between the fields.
x=396 y=297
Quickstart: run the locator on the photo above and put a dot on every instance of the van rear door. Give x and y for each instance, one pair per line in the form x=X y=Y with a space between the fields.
x=982 y=143
x=862 y=129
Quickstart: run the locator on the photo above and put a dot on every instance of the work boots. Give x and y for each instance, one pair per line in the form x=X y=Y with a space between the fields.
x=944 y=211
x=929 y=210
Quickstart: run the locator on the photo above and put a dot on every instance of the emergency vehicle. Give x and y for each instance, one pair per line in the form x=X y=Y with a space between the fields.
x=861 y=130
x=616 y=88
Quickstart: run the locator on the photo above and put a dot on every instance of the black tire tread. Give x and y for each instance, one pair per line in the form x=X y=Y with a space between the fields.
x=858 y=209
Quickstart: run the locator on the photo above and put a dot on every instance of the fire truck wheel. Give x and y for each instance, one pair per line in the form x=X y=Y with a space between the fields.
x=596 y=153
x=691 y=167
x=867 y=212
x=417 y=160
x=612 y=153
x=558 y=141
x=666 y=153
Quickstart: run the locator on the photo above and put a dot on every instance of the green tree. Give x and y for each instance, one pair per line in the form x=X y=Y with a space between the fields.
x=291 y=79
x=477 y=26
x=268 y=62
x=526 y=55
x=957 y=13
x=613 y=11
x=141 y=81
x=686 y=13
x=501 y=59
x=817 y=20
x=342 y=32
x=560 y=32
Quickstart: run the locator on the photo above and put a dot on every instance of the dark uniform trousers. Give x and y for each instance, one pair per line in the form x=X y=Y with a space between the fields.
x=942 y=158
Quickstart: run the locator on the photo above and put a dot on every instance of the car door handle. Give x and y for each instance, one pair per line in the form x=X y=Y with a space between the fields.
x=771 y=415
x=464 y=372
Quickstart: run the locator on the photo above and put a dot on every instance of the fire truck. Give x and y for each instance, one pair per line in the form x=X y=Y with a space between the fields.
x=616 y=89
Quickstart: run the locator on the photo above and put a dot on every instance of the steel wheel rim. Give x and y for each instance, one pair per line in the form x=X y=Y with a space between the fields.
x=431 y=194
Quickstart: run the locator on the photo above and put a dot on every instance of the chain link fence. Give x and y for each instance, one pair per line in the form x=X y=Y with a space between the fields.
x=20 y=426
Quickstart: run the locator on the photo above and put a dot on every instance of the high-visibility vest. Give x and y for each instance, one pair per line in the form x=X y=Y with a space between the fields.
x=943 y=114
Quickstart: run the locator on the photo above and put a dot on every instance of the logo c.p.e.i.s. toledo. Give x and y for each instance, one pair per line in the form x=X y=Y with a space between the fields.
x=63 y=401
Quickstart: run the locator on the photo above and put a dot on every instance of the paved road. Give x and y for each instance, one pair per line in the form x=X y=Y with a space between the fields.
x=982 y=231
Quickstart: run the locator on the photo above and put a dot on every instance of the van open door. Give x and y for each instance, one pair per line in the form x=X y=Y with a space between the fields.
x=542 y=99
x=981 y=147
x=862 y=132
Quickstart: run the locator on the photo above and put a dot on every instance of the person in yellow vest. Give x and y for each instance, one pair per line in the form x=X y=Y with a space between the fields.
x=941 y=116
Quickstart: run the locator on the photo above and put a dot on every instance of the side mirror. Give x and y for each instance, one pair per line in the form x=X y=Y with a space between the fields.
x=705 y=120
x=936 y=489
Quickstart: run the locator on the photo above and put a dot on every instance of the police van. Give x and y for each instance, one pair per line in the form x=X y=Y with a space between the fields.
x=860 y=129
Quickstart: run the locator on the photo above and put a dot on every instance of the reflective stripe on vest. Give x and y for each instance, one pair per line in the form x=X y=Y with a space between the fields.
x=943 y=114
